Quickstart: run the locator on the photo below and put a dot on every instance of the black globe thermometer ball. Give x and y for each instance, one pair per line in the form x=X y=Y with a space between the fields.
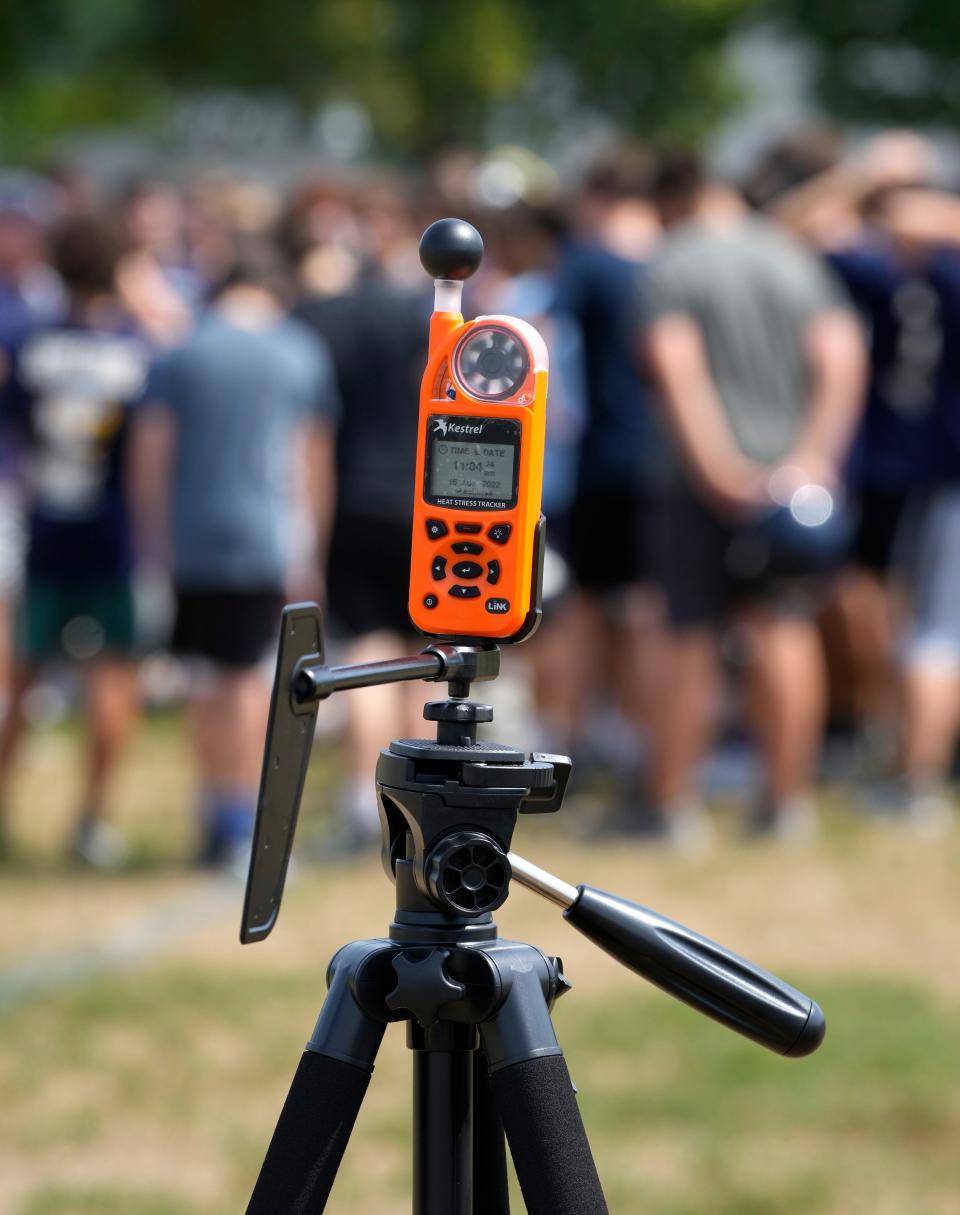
x=451 y=249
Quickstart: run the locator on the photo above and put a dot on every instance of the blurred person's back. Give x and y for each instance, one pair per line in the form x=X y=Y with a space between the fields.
x=238 y=434
x=751 y=289
x=750 y=281
x=237 y=391
x=378 y=336
x=30 y=289
x=759 y=365
x=75 y=382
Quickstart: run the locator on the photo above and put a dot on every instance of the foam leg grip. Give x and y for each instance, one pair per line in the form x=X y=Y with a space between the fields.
x=490 y=1193
x=310 y=1137
x=547 y=1141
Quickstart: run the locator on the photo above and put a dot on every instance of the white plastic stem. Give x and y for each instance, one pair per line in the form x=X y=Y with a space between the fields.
x=541 y=882
x=447 y=294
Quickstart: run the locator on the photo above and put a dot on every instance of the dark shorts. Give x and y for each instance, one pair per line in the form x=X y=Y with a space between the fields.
x=706 y=567
x=368 y=576
x=879 y=516
x=232 y=628
x=607 y=549
x=79 y=621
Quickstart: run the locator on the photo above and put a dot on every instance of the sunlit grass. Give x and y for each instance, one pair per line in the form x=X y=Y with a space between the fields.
x=179 y=1075
x=151 y=1087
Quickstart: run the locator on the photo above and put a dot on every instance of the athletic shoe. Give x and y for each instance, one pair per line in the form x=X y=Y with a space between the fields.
x=924 y=806
x=100 y=845
x=795 y=821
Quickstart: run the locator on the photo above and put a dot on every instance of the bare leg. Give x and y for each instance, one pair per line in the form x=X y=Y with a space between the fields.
x=12 y=729
x=685 y=713
x=228 y=717
x=559 y=662
x=112 y=705
x=415 y=696
x=7 y=662
x=374 y=716
x=637 y=665
x=786 y=702
x=228 y=721
x=932 y=695
x=930 y=728
x=862 y=607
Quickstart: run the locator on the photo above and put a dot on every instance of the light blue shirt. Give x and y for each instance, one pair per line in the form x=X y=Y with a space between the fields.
x=239 y=398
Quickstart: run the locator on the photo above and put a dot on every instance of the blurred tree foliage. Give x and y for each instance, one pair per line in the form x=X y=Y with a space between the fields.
x=882 y=61
x=427 y=72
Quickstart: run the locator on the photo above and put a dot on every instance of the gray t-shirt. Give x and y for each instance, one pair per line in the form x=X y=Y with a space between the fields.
x=239 y=397
x=752 y=289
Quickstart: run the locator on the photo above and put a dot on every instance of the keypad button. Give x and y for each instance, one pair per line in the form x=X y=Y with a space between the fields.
x=436 y=528
x=468 y=529
x=464 y=592
x=468 y=546
x=467 y=569
x=493 y=572
x=498 y=607
x=439 y=569
x=500 y=532
x=430 y=601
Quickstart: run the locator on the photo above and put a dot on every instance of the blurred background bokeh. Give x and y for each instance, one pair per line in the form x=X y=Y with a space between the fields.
x=737 y=224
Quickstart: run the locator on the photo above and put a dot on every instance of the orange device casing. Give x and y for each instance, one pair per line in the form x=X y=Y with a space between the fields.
x=505 y=534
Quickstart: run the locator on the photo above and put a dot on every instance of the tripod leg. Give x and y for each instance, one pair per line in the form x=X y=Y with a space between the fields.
x=534 y=1094
x=310 y=1138
x=443 y=1124
x=321 y=1107
x=547 y=1140
x=490 y=1194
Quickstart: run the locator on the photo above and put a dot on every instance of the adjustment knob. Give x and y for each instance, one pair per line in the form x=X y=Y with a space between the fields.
x=423 y=985
x=468 y=872
x=457 y=711
x=451 y=249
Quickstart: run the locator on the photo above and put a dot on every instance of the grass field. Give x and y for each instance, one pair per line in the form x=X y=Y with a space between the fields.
x=144 y=1054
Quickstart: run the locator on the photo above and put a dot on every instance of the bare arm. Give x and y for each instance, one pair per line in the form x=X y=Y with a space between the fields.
x=837 y=359
x=320 y=482
x=315 y=479
x=922 y=218
x=149 y=466
x=825 y=209
x=678 y=359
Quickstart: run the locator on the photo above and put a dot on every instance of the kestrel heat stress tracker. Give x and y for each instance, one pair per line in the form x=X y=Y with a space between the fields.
x=477 y=529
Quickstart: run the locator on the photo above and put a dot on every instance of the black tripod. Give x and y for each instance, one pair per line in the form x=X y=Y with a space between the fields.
x=477 y=1008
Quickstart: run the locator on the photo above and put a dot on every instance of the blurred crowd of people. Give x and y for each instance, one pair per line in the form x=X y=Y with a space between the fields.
x=752 y=481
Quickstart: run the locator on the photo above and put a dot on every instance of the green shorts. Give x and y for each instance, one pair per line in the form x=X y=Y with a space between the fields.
x=78 y=621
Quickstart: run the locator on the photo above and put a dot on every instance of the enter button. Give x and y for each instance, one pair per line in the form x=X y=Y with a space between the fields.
x=467 y=569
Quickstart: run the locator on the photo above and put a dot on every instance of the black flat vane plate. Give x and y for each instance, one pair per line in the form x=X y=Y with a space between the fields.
x=286 y=756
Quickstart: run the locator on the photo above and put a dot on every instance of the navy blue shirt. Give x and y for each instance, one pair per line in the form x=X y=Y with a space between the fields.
x=70 y=392
x=599 y=290
x=909 y=436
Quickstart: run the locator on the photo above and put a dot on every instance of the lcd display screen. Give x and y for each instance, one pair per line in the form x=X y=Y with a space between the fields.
x=476 y=470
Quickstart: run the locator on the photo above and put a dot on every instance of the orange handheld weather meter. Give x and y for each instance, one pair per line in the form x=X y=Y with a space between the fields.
x=477 y=551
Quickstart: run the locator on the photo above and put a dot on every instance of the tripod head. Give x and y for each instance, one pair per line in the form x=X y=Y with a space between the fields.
x=448 y=810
